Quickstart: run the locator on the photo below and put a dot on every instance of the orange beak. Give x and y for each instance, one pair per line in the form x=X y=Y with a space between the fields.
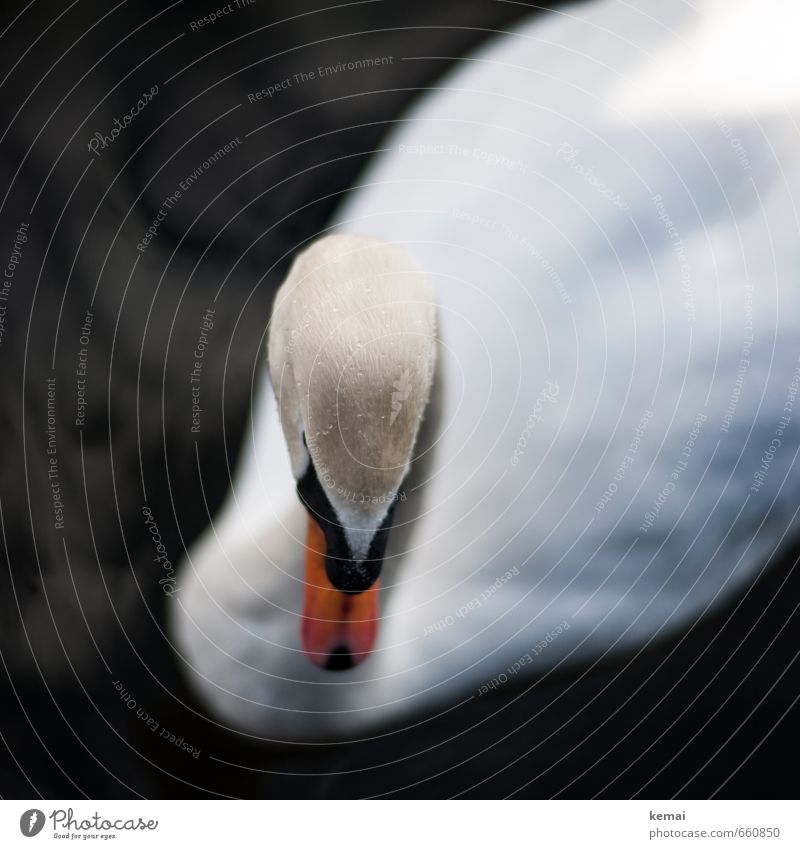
x=338 y=629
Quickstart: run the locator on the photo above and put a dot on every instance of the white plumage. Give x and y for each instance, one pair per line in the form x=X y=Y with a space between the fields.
x=611 y=233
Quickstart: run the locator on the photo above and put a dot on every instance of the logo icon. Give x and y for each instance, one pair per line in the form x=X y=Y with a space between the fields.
x=403 y=387
x=31 y=822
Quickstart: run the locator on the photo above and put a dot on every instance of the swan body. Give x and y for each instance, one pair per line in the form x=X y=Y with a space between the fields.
x=610 y=449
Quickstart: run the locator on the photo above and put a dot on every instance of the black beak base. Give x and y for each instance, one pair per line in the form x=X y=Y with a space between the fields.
x=344 y=572
x=350 y=576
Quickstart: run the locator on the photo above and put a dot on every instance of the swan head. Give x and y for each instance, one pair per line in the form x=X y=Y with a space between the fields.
x=351 y=353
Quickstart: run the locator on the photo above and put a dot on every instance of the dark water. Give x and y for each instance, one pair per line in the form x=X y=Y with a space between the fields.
x=92 y=703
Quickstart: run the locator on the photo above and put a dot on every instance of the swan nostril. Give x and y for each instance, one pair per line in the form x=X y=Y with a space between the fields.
x=340 y=658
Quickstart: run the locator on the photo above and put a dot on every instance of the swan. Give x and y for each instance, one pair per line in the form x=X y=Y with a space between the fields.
x=571 y=276
x=352 y=353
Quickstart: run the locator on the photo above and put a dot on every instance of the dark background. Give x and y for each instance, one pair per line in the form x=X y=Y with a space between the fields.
x=713 y=711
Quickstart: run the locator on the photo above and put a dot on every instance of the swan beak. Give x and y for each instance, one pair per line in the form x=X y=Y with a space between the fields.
x=338 y=629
